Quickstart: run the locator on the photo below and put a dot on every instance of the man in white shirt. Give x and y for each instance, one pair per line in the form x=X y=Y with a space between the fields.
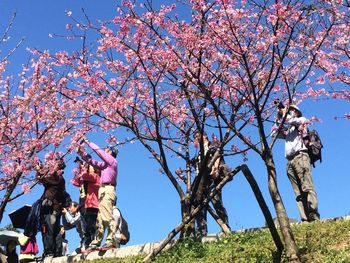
x=299 y=166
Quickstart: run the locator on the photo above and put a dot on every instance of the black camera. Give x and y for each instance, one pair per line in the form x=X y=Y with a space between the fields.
x=77 y=159
x=278 y=104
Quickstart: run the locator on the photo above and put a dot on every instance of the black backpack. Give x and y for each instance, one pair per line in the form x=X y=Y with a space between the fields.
x=125 y=230
x=314 y=145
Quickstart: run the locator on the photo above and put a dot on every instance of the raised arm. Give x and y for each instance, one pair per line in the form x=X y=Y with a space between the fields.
x=70 y=218
x=87 y=158
x=109 y=159
x=279 y=130
x=296 y=121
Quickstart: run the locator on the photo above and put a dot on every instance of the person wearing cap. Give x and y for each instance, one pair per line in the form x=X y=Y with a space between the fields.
x=106 y=193
x=299 y=166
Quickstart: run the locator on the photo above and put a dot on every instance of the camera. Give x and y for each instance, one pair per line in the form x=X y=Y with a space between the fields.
x=77 y=159
x=278 y=104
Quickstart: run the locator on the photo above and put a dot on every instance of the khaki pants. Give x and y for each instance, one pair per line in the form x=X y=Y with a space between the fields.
x=105 y=221
x=299 y=174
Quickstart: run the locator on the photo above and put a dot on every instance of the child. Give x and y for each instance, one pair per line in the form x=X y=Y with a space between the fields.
x=65 y=249
x=12 y=256
x=29 y=248
x=71 y=219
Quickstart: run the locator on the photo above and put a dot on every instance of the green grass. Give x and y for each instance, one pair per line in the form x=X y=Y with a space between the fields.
x=326 y=242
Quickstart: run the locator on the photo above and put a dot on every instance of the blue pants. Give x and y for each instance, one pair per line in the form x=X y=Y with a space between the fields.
x=52 y=240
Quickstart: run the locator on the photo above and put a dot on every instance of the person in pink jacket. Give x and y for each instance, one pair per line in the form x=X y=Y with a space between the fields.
x=106 y=194
x=88 y=180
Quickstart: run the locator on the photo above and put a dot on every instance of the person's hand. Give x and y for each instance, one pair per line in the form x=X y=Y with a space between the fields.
x=64 y=210
x=281 y=112
x=37 y=166
x=85 y=140
x=81 y=150
x=215 y=172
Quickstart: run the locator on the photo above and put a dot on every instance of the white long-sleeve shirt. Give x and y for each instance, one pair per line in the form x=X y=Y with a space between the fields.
x=73 y=221
x=296 y=128
x=294 y=140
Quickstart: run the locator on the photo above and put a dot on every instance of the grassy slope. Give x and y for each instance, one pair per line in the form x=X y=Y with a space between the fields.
x=317 y=242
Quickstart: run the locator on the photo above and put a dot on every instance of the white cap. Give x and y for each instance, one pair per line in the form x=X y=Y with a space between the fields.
x=295 y=107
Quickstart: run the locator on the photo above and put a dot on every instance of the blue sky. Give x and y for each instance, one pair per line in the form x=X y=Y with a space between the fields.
x=145 y=196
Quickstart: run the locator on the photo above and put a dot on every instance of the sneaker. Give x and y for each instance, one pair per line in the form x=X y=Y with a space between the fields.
x=313 y=217
x=91 y=247
x=108 y=246
x=48 y=258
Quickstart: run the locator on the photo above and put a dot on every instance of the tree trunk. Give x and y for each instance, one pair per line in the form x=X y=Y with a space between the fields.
x=287 y=234
x=8 y=194
x=186 y=220
x=218 y=220
x=190 y=217
x=264 y=208
x=188 y=230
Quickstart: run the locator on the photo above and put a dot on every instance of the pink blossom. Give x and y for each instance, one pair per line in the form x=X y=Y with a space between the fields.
x=274 y=128
x=234 y=148
x=214 y=139
x=277 y=88
x=315 y=119
x=272 y=19
x=311 y=92
x=321 y=80
x=26 y=188
x=128 y=4
x=75 y=171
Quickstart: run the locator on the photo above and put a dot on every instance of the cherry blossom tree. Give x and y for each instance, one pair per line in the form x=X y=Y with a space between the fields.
x=161 y=76
x=333 y=60
x=33 y=124
x=145 y=94
x=223 y=69
x=32 y=128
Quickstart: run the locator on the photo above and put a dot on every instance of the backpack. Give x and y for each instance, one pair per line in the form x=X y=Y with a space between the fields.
x=122 y=226
x=33 y=220
x=28 y=244
x=125 y=230
x=314 y=146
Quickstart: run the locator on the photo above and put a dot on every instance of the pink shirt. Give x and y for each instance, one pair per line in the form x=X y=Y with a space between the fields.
x=108 y=167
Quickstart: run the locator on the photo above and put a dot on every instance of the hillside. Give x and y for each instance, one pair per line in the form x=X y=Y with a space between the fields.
x=324 y=241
